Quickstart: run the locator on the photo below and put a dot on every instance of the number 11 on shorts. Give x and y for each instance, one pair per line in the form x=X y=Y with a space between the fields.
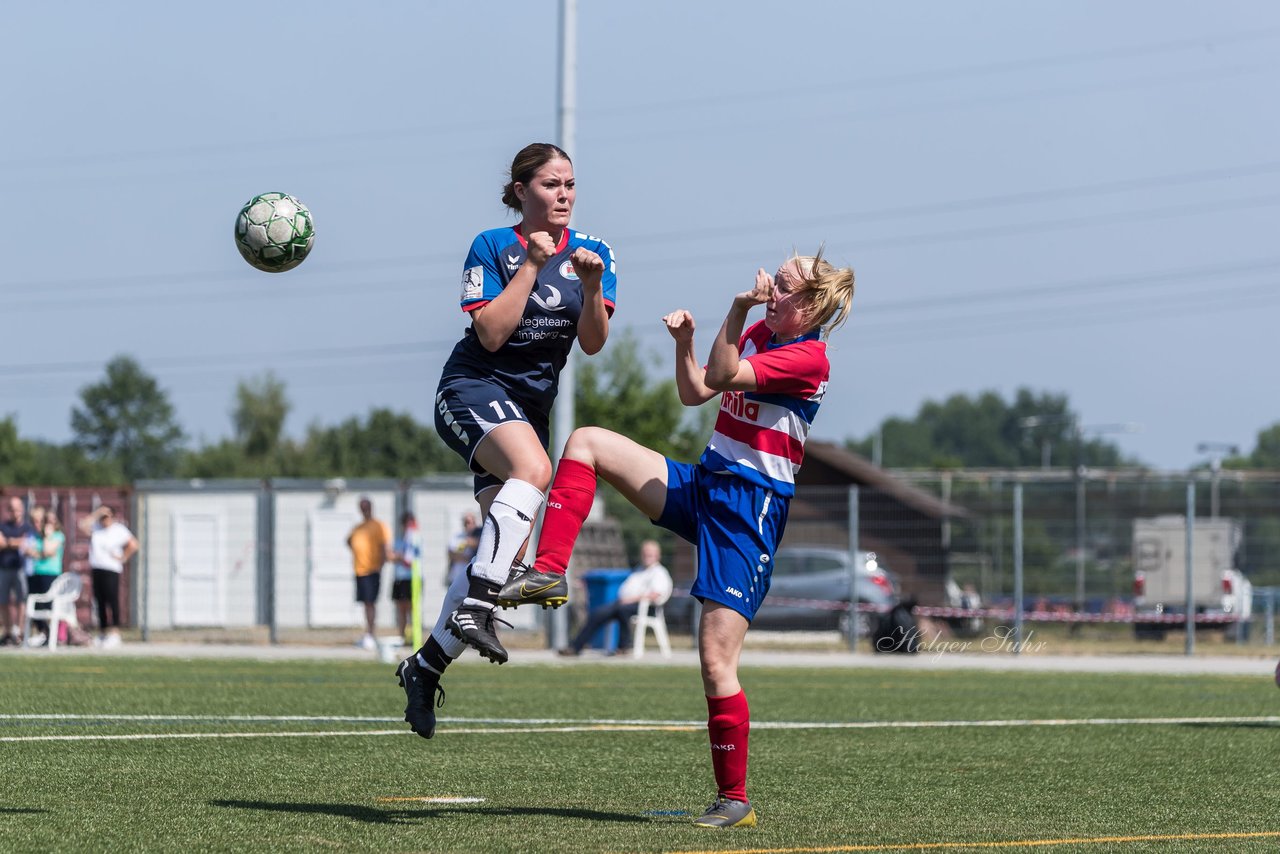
x=497 y=407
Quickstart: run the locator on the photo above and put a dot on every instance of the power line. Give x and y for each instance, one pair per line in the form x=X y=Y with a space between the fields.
x=257 y=145
x=687 y=130
x=1261 y=298
x=977 y=232
x=168 y=280
x=948 y=74
x=1076 y=287
x=1065 y=314
x=450 y=129
x=909 y=333
x=205 y=362
x=1077 y=191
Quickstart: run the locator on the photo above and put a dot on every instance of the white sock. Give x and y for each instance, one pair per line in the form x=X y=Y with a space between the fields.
x=452 y=599
x=505 y=530
x=452 y=646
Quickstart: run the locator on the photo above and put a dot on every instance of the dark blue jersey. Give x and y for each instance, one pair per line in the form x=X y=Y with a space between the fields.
x=528 y=365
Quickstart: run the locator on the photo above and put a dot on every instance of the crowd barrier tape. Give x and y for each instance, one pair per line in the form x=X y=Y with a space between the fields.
x=1004 y=614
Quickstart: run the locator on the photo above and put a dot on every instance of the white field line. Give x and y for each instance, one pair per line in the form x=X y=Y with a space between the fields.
x=570 y=726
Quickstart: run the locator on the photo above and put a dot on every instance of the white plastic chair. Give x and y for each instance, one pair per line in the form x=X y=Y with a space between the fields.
x=57 y=605
x=643 y=621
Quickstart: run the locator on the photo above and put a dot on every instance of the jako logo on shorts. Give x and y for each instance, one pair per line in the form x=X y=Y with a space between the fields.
x=447 y=416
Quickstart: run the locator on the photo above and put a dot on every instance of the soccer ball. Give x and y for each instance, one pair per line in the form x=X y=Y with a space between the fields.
x=274 y=232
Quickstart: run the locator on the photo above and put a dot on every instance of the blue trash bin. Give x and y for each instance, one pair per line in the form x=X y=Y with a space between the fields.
x=602 y=588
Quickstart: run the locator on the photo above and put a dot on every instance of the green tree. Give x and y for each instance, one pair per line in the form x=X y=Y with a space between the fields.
x=18 y=464
x=988 y=432
x=1266 y=451
x=617 y=392
x=261 y=407
x=1253 y=502
x=127 y=418
x=387 y=444
x=68 y=465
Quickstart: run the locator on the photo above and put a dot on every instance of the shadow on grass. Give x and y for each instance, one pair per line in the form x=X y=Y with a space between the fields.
x=379 y=815
x=1233 y=725
x=20 y=811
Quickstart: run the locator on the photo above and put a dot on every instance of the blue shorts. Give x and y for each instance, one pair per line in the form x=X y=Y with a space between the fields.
x=736 y=526
x=367 y=587
x=467 y=409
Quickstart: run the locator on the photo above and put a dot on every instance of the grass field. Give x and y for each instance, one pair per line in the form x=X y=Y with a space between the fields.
x=578 y=784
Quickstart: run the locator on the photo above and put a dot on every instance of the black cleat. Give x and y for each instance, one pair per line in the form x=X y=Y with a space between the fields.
x=421 y=687
x=727 y=813
x=472 y=623
x=534 y=587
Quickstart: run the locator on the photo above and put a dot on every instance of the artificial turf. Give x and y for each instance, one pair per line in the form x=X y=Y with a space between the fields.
x=625 y=790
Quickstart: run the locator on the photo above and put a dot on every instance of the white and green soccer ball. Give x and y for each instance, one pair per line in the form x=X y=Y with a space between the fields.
x=274 y=232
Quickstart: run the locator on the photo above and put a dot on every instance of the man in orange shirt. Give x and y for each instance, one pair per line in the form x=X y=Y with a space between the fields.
x=370 y=544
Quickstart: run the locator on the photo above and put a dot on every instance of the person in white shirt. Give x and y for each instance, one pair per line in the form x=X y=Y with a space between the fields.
x=648 y=582
x=111 y=545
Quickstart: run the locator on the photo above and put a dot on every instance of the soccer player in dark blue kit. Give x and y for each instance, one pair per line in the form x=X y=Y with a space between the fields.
x=531 y=290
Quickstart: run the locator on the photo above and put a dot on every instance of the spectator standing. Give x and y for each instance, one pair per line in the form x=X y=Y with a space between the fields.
x=406 y=552
x=370 y=544
x=46 y=556
x=111 y=545
x=36 y=520
x=14 y=532
x=650 y=582
x=462 y=546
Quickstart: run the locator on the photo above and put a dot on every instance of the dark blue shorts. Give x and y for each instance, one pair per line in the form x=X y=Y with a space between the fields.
x=467 y=409
x=367 y=587
x=736 y=526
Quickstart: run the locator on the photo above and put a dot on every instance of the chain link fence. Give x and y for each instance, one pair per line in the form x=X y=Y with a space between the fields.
x=1112 y=546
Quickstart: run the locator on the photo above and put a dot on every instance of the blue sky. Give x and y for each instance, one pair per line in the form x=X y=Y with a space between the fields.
x=1077 y=197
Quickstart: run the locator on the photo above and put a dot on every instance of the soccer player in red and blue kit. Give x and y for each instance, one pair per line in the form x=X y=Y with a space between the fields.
x=733 y=503
x=530 y=290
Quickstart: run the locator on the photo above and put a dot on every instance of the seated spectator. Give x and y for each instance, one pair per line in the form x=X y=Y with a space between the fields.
x=648 y=582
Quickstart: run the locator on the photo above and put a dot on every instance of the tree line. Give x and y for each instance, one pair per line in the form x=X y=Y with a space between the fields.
x=124 y=428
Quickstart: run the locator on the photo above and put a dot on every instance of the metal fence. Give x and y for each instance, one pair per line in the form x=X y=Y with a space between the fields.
x=1083 y=548
x=1149 y=549
x=1100 y=553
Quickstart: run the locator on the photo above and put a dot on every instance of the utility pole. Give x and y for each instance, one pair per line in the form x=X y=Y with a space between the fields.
x=566 y=110
x=1215 y=450
x=564 y=416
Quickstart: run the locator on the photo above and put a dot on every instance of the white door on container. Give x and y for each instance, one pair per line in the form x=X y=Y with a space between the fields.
x=198 y=596
x=331 y=586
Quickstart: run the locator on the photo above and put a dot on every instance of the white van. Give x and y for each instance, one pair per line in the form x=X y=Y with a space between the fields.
x=1160 y=571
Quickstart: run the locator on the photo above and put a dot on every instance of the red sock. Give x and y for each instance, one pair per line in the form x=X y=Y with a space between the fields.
x=568 y=503
x=729 y=723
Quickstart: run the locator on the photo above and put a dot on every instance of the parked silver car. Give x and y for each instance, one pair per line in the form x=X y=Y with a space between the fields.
x=807 y=582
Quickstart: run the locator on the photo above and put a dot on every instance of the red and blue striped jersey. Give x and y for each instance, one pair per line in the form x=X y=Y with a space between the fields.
x=759 y=435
